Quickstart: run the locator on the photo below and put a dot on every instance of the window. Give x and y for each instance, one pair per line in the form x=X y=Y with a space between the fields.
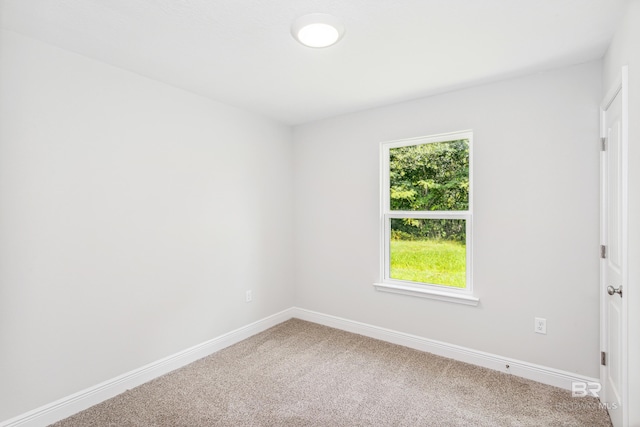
x=426 y=217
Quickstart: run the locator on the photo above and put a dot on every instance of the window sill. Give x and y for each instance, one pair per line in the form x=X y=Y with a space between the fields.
x=418 y=291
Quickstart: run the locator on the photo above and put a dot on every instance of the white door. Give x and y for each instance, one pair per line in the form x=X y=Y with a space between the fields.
x=614 y=257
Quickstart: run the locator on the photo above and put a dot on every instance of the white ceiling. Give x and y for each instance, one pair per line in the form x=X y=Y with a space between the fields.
x=241 y=52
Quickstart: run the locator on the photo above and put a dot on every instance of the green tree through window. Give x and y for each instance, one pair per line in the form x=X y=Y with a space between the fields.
x=430 y=177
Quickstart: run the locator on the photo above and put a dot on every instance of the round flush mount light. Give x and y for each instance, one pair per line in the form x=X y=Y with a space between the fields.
x=317 y=30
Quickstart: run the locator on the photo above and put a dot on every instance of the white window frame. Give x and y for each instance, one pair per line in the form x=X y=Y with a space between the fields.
x=432 y=291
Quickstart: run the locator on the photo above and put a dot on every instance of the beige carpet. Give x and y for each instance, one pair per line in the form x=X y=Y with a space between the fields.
x=302 y=374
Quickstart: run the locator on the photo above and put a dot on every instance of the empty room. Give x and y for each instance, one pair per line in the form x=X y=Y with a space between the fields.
x=319 y=213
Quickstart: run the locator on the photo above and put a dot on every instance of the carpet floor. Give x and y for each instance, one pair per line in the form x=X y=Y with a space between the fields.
x=303 y=374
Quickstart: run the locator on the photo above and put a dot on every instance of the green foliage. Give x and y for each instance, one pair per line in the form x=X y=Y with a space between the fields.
x=429 y=261
x=420 y=229
x=430 y=177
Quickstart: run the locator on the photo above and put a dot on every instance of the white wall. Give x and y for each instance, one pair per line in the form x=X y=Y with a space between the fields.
x=625 y=50
x=133 y=217
x=535 y=220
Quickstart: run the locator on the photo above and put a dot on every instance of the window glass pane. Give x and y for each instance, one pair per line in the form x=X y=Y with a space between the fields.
x=429 y=251
x=430 y=177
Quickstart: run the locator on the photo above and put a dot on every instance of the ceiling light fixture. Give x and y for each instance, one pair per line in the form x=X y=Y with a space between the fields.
x=317 y=30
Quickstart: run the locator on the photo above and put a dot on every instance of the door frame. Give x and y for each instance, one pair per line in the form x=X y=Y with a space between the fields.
x=621 y=87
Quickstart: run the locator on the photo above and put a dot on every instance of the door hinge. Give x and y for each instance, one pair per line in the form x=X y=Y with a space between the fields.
x=603 y=144
x=603 y=251
x=603 y=358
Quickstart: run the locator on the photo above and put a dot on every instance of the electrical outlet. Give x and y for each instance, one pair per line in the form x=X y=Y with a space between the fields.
x=540 y=325
x=248 y=296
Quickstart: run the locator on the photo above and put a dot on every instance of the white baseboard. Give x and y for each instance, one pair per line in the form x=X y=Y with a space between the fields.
x=84 y=399
x=542 y=374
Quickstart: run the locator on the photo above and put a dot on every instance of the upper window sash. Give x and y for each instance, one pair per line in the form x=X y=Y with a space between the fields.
x=385 y=166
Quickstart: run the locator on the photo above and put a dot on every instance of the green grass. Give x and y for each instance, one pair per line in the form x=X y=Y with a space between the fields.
x=439 y=262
